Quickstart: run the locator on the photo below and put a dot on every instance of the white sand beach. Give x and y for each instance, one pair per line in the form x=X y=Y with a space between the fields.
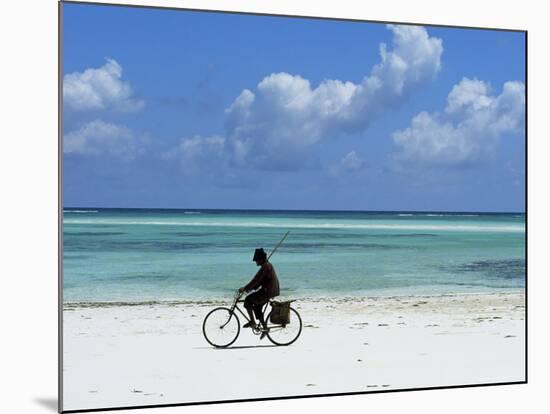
x=149 y=354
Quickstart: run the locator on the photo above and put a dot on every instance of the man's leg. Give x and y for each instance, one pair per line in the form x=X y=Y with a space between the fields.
x=259 y=314
x=249 y=306
x=259 y=303
x=258 y=310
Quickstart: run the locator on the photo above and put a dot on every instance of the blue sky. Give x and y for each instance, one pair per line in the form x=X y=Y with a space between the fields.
x=180 y=109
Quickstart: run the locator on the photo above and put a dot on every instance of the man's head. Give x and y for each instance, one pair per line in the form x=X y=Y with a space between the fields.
x=260 y=256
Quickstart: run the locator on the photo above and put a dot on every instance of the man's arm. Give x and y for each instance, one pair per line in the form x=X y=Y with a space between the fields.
x=256 y=281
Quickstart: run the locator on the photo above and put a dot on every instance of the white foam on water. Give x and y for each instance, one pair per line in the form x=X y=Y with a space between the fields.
x=370 y=226
x=436 y=215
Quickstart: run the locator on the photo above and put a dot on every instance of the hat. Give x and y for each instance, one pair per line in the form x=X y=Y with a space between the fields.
x=259 y=254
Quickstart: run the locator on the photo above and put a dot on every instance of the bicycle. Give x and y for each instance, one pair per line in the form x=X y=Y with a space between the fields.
x=221 y=326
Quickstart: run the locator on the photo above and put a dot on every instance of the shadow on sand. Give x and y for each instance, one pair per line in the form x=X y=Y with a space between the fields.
x=237 y=347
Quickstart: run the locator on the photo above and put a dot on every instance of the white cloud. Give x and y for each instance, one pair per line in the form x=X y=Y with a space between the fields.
x=276 y=126
x=99 y=89
x=352 y=161
x=468 y=130
x=469 y=95
x=198 y=154
x=98 y=138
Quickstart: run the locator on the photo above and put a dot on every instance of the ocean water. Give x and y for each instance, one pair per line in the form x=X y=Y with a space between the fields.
x=140 y=254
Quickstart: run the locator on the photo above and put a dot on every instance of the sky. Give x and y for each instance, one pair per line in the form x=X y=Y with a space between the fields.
x=183 y=109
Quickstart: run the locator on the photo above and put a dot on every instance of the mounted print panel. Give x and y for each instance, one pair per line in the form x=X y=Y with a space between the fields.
x=259 y=206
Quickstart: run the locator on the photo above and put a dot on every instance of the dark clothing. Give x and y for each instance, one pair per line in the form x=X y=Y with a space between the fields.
x=266 y=280
x=256 y=301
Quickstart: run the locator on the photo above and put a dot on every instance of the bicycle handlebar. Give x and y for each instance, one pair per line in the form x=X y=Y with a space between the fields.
x=237 y=296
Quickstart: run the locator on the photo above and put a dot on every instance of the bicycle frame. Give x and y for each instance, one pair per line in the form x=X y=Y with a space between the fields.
x=235 y=306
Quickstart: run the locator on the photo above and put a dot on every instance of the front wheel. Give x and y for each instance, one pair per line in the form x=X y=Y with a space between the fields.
x=285 y=334
x=221 y=327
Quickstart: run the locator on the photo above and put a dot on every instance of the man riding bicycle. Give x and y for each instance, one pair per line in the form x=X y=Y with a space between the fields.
x=267 y=282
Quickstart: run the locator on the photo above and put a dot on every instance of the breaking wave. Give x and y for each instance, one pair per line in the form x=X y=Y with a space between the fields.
x=345 y=226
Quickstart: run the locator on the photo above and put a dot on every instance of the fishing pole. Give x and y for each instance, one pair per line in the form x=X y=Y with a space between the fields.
x=276 y=247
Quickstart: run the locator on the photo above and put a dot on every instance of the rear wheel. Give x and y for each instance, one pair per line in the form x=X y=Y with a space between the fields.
x=285 y=334
x=221 y=327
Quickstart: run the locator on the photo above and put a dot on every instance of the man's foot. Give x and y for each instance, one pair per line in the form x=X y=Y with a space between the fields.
x=249 y=325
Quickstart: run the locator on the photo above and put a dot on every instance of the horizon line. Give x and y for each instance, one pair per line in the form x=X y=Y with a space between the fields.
x=294 y=210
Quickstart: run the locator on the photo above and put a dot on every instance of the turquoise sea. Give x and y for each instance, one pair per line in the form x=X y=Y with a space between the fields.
x=153 y=254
